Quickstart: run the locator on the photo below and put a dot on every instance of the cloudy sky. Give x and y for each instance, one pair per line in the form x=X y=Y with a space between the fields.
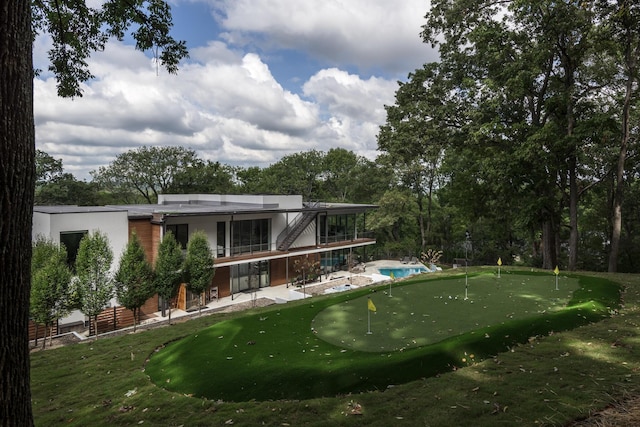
x=265 y=78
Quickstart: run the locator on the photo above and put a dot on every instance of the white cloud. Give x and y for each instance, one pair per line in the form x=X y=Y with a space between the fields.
x=225 y=102
x=368 y=34
x=229 y=109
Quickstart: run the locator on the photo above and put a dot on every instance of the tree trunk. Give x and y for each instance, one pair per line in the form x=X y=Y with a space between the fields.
x=618 y=196
x=35 y=344
x=44 y=339
x=135 y=315
x=573 y=215
x=423 y=237
x=95 y=325
x=17 y=175
x=549 y=259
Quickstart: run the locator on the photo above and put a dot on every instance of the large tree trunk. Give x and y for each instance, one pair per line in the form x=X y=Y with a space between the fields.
x=618 y=196
x=549 y=259
x=17 y=174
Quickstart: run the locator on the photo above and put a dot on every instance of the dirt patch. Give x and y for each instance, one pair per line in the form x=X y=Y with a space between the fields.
x=57 y=341
x=619 y=414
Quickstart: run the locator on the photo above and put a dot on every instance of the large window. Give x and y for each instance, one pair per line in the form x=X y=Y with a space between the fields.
x=180 y=232
x=71 y=242
x=251 y=236
x=337 y=228
x=252 y=275
x=221 y=238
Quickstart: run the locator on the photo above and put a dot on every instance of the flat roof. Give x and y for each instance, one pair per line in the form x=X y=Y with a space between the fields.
x=195 y=209
x=67 y=209
x=203 y=208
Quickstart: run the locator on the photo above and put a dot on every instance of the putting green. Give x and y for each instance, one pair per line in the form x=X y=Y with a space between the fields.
x=420 y=314
x=320 y=347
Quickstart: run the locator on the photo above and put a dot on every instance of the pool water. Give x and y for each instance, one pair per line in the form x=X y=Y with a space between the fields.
x=400 y=272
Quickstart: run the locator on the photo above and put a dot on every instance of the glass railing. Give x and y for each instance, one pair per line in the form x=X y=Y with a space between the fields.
x=348 y=237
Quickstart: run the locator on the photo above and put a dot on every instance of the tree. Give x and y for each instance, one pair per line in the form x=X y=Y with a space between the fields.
x=250 y=180
x=525 y=74
x=147 y=171
x=624 y=30
x=199 y=265
x=134 y=278
x=297 y=173
x=94 y=282
x=418 y=128
x=47 y=168
x=168 y=270
x=76 y=32
x=394 y=223
x=17 y=179
x=203 y=177
x=65 y=189
x=50 y=284
x=342 y=170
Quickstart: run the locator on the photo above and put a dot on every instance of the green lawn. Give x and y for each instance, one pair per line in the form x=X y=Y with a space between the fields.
x=423 y=313
x=548 y=379
x=322 y=348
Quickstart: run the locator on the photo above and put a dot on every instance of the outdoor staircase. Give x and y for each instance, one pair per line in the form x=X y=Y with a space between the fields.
x=295 y=229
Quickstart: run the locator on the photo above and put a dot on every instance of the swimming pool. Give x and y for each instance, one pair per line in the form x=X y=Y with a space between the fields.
x=400 y=272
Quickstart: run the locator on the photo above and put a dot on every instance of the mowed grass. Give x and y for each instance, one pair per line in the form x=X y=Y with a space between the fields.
x=545 y=380
x=423 y=312
x=322 y=348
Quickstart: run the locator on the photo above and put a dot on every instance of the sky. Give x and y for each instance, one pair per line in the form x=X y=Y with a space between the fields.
x=265 y=78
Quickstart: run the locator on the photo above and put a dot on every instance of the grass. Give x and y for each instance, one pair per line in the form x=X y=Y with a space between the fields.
x=548 y=379
x=322 y=348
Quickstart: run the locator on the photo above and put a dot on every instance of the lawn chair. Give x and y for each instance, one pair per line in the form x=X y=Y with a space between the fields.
x=414 y=260
x=405 y=260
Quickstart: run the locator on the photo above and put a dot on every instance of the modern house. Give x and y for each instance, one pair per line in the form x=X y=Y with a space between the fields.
x=257 y=240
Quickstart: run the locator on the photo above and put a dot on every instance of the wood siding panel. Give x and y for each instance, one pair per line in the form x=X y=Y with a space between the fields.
x=278 y=271
x=149 y=235
x=222 y=280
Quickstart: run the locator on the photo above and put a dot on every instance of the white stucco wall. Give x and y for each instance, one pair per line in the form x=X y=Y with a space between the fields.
x=114 y=224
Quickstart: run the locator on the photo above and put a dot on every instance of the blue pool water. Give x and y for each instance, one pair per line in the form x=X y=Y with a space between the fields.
x=400 y=272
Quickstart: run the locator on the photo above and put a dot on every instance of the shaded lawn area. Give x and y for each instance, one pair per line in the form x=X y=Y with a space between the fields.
x=314 y=349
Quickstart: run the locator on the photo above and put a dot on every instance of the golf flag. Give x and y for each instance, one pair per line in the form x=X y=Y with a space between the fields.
x=556 y=271
x=392 y=277
x=370 y=305
x=499 y=261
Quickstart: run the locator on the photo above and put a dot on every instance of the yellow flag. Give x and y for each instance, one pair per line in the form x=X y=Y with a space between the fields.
x=392 y=277
x=499 y=261
x=557 y=271
x=371 y=306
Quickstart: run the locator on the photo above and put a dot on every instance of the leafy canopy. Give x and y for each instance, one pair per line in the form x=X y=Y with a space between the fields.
x=94 y=281
x=77 y=29
x=199 y=263
x=134 y=278
x=50 y=282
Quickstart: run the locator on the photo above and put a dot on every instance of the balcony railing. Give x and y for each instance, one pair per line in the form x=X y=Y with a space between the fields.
x=348 y=237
